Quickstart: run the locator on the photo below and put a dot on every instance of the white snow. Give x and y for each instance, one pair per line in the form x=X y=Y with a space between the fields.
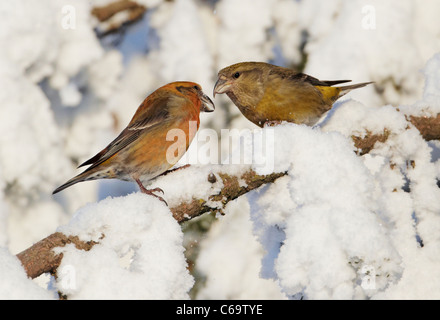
x=236 y=280
x=337 y=226
x=14 y=282
x=140 y=256
x=330 y=220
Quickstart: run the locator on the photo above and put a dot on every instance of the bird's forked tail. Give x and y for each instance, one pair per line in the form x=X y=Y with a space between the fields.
x=347 y=89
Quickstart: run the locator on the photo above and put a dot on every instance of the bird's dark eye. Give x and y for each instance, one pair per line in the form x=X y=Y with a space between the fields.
x=236 y=75
x=197 y=88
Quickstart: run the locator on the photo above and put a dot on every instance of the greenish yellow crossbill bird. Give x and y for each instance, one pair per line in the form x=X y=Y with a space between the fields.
x=269 y=94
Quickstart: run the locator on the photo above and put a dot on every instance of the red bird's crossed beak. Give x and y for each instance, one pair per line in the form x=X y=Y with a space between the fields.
x=221 y=86
x=207 y=104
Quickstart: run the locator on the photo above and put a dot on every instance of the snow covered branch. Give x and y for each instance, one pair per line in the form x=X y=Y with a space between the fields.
x=225 y=185
x=429 y=128
x=41 y=258
x=116 y=14
x=233 y=187
x=366 y=144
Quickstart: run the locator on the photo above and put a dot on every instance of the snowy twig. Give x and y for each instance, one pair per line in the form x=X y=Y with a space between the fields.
x=116 y=14
x=233 y=187
x=40 y=258
x=365 y=144
x=429 y=128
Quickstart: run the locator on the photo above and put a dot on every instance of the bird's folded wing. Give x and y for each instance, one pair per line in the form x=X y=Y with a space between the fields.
x=147 y=116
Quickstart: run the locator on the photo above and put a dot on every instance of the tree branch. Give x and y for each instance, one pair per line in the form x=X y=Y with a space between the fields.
x=40 y=258
x=429 y=128
x=113 y=16
x=367 y=143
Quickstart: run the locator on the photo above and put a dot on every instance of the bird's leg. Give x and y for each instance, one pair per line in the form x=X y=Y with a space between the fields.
x=150 y=191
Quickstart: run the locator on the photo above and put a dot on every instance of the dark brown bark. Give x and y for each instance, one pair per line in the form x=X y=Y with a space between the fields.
x=429 y=127
x=40 y=258
x=365 y=144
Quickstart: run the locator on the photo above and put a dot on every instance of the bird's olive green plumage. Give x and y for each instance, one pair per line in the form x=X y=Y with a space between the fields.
x=268 y=93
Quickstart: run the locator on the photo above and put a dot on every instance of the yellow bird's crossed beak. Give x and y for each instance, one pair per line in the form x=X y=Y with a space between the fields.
x=222 y=85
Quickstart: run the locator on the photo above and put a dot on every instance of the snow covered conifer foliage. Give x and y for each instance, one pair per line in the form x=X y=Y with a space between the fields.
x=347 y=209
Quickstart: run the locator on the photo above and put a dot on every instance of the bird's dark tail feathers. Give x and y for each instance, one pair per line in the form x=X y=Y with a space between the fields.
x=79 y=178
x=347 y=89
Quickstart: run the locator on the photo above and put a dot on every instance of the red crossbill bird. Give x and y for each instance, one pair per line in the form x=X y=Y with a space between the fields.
x=266 y=93
x=141 y=151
